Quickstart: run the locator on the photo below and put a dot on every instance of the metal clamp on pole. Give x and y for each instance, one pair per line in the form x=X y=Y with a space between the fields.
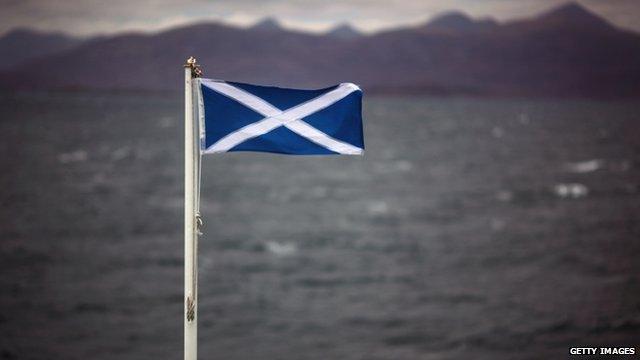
x=199 y=224
x=191 y=309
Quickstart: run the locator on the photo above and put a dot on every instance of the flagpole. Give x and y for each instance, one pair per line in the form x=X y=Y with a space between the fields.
x=190 y=224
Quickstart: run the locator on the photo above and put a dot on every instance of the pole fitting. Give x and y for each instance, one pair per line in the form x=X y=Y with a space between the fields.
x=199 y=224
x=191 y=309
x=191 y=63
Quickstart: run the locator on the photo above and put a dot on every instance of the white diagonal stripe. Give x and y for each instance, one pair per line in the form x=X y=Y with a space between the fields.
x=242 y=97
x=243 y=134
x=290 y=118
x=319 y=103
x=303 y=129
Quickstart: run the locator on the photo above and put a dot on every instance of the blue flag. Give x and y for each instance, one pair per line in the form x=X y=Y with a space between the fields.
x=243 y=117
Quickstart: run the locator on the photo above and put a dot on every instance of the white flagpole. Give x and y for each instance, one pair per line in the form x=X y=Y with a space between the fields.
x=190 y=224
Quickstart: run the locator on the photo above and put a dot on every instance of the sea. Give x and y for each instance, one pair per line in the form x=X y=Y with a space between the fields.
x=471 y=229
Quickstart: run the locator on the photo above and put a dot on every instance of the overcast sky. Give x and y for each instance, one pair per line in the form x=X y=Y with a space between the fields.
x=90 y=17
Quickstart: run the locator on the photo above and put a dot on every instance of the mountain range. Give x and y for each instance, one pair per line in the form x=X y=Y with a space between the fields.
x=565 y=52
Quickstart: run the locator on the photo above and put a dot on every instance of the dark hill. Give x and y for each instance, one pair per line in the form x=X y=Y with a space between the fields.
x=567 y=52
x=22 y=45
x=344 y=31
x=456 y=22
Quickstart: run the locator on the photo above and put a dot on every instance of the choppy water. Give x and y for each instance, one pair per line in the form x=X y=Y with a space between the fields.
x=483 y=229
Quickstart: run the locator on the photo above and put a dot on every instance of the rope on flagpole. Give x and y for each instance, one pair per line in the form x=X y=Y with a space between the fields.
x=196 y=72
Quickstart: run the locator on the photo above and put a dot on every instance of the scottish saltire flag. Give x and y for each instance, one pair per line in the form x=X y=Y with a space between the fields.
x=243 y=117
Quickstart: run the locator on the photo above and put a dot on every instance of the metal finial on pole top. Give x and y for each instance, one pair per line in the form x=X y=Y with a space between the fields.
x=191 y=63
